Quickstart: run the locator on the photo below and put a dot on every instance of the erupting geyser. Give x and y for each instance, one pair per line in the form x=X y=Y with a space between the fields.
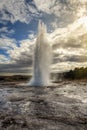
x=42 y=58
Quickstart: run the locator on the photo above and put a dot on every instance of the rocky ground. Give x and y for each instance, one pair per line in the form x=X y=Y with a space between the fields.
x=59 y=107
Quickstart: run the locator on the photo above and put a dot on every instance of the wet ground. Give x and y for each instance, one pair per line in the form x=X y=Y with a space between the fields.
x=59 y=107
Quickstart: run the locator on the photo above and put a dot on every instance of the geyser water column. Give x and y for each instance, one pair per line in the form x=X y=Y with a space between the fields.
x=42 y=58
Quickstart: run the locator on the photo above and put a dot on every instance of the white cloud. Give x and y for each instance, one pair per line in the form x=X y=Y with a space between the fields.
x=3 y=59
x=69 y=42
x=62 y=66
x=3 y=29
x=83 y=1
x=67 y=54
x=82 y=11
x=20 y=58
x=69 y=48
x=14 y=10
x=22 y=54
x=71 y=36
x=6 y=31
x=31 y=36
x=64 y=12
x=7 y=43
x=45 y=5
x=66 y=66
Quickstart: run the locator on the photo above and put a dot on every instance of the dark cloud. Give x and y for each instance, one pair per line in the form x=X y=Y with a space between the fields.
x=58 y=58
x=15 y=68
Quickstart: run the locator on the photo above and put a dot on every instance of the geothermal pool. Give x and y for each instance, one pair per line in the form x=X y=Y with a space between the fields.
x=59 y=107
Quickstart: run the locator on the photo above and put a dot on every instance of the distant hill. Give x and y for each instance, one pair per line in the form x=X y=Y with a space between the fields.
x=77 y=73
x=14 y=78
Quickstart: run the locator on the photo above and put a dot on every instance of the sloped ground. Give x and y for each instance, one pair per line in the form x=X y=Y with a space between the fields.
x=59 y=107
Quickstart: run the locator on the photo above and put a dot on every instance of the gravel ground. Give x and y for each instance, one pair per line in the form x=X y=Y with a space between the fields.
x=58 y=107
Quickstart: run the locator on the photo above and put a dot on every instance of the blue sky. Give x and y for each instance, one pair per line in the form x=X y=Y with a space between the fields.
x=66 y=22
